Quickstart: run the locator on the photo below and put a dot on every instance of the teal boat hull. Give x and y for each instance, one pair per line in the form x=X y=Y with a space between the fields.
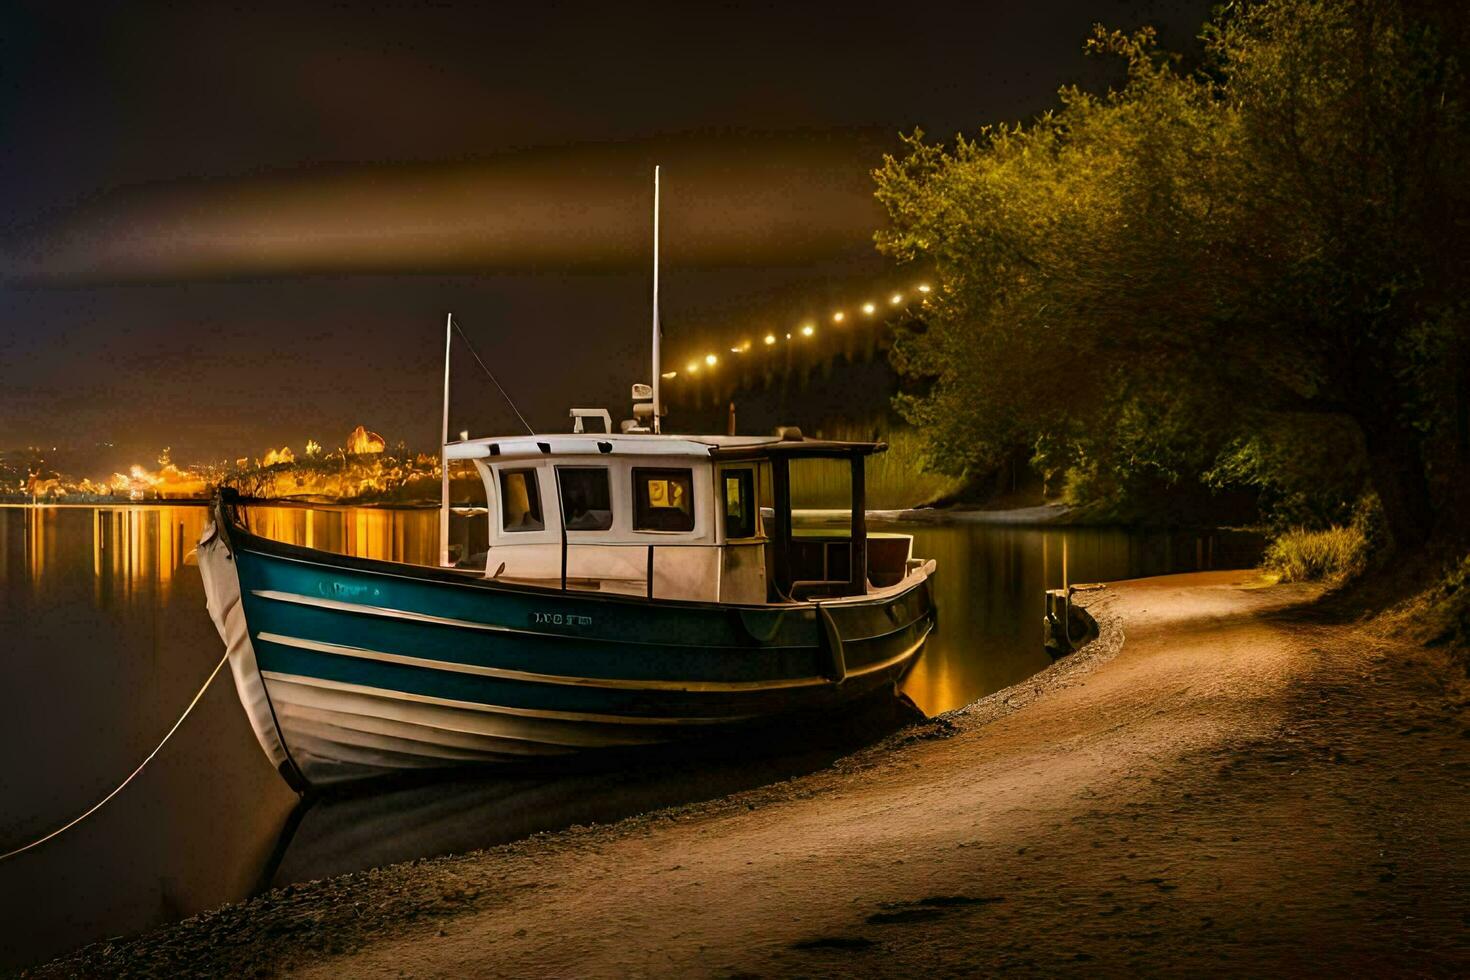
x=353 y=668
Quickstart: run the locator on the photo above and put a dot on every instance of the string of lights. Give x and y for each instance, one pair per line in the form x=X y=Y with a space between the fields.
x=803 y=331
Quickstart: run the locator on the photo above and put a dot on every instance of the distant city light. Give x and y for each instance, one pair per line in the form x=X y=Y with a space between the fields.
x=923 y=287
x=896 y=298
x=808 y=330
x=710 y=359
x=668 y=375
x=869 y=309
x=692 y=367
x=770 y=339
x=838 y=317
x=788 y=336
x=737 y=350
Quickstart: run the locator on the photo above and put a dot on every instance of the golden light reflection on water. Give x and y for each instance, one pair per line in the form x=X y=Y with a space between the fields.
x=128 y=545
x=363 y=532
x=135 y=545
x=988 y=591
x=136 y=549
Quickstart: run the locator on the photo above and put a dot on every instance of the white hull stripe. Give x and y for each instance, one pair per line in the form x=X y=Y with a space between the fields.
x=892 y=661
x=504 y=673
x=330 y=761
x=612 y=683
x=336 y=726
x=365 y=609
x=581 y=716
x=431 y=721
x=325 y=740
x=359 y=607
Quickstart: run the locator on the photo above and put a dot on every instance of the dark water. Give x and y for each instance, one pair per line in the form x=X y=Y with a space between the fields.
x=104 y=638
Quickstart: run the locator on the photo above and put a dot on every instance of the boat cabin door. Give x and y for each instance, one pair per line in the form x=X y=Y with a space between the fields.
x=742 y=490
x=818 y=552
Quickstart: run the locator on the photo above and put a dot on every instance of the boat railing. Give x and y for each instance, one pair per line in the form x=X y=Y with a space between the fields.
x=568 y=574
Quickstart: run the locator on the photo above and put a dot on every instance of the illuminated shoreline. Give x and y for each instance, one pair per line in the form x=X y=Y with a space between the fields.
x=206 y=501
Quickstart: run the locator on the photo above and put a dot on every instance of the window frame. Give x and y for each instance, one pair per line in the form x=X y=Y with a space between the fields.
x=562 y=504
x=640 y=475
x=746 y=478
x=533 y=497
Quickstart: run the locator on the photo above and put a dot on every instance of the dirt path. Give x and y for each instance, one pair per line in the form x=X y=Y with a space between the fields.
x=1238 y=788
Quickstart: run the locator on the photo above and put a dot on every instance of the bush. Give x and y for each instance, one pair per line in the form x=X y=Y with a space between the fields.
x=1335 y=555
x=1443 y=611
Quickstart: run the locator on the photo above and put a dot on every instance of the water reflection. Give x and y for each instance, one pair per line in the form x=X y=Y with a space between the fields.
x=363 y=532
x=103 y=640
x=134 y=551
x=131 y=546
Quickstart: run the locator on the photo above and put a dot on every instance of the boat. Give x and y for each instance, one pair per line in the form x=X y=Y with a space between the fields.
x=612 y=591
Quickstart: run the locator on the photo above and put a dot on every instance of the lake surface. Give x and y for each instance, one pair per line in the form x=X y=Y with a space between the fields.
x=104 y=638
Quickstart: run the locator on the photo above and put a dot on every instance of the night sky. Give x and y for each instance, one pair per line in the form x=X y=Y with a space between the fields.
x=231 y=228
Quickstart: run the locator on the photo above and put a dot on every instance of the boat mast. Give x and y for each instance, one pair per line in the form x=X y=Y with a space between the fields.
x=443 y=451
x=656 y=412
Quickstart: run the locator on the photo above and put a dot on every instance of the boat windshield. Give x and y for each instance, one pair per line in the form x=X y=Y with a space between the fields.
x=468 y=533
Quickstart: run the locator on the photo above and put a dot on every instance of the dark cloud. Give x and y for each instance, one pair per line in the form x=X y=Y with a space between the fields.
x=231 y=226
x=737 y=200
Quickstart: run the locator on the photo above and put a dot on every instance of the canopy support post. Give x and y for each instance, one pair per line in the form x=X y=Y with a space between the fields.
x=781 y=540
x=858 y=573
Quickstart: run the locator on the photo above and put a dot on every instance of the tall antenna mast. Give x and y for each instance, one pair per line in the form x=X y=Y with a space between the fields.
x=656 y=404
x=443 y=450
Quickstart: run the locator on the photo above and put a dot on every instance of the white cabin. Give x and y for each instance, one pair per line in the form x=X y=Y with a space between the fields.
x=704 y=518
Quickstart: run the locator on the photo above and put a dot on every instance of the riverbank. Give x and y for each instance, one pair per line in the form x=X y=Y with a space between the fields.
x=1223 y=780
x=1021 y=516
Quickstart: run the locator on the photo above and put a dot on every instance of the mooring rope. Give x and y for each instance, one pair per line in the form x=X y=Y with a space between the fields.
x=120 y=786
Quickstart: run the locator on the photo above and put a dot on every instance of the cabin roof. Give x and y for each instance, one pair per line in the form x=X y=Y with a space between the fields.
x=636 y=444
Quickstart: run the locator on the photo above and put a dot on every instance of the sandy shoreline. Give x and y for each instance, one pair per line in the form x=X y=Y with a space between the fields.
x=1222 y=781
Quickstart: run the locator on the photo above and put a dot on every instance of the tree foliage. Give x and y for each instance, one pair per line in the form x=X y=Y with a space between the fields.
x=1248 y=274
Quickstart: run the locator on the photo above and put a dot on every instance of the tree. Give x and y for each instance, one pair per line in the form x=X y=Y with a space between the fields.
x=1142 y=283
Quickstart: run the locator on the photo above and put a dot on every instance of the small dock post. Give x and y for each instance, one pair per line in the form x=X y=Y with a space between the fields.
x=1065 y=626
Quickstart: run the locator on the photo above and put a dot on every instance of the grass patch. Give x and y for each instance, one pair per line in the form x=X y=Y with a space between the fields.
x=1335 y=555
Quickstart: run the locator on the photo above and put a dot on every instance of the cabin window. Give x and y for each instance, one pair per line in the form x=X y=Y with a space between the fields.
x=663 y=500
x=586 y=498
x=739 y=504
x=520 y=501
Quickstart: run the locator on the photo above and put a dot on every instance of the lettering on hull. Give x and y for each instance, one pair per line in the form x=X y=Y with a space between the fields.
x=559 y=619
